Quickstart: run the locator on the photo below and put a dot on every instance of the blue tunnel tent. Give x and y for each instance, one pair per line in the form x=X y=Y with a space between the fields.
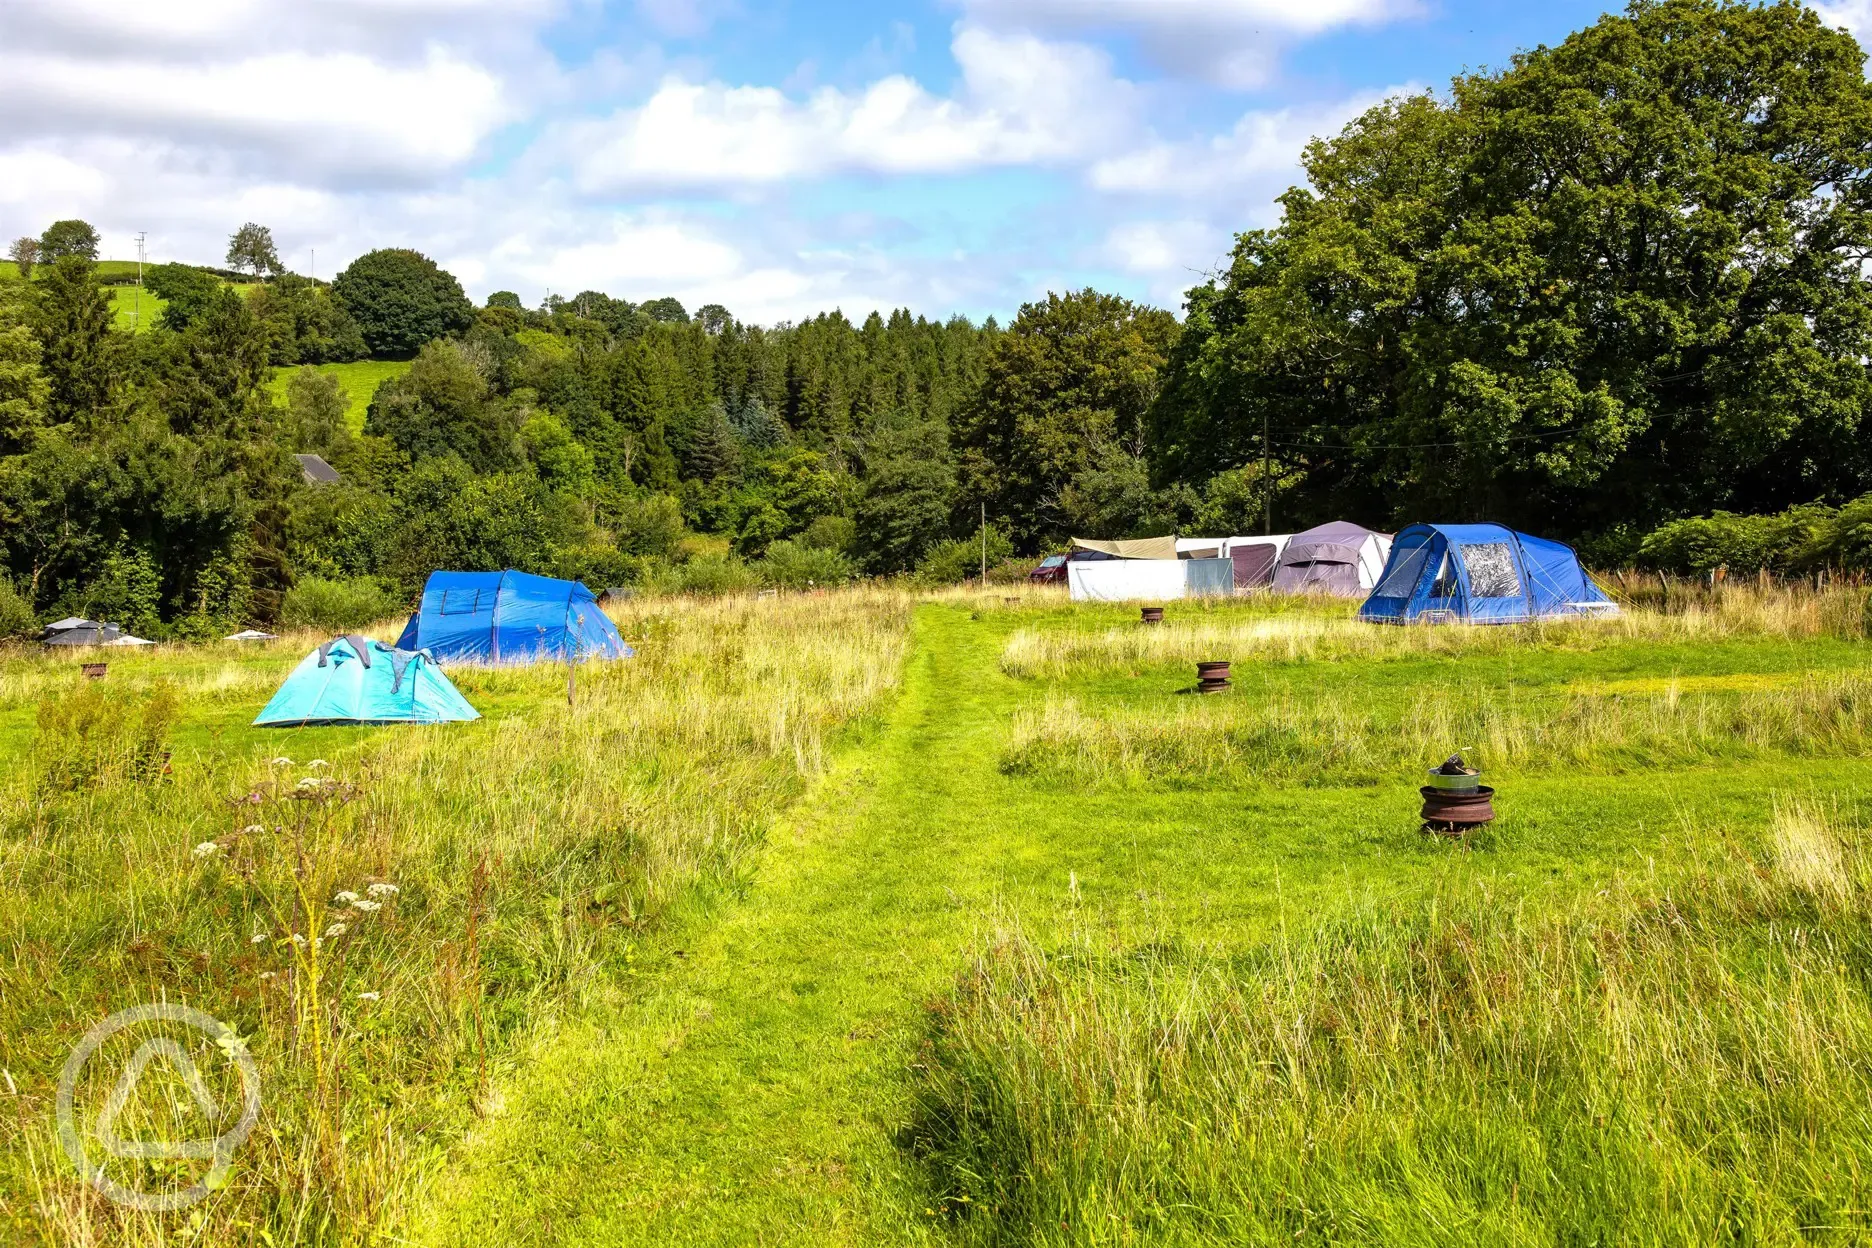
x=509 y=617
x=1480 y=574
x=354 y=680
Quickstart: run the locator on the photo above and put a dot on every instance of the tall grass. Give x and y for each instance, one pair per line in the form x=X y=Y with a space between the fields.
x=1272 y=628
x=1677 y=1065
x=1340 y=737
x=386 y=928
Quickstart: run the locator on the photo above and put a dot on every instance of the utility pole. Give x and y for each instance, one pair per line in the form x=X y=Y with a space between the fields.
x=984 y=544
x=1267 y=487
x=136 y=300
x=314 y=274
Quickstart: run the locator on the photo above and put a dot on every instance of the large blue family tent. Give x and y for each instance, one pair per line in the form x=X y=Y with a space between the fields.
x=354 y=680
x=509 y=617
x=1480 y=574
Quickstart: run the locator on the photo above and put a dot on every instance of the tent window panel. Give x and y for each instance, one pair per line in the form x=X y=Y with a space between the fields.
x=460 y=602
x=1491 y=570
x=1446 y=583
x=1404 y=574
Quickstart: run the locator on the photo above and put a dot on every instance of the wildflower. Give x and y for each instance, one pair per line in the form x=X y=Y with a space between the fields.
x=268 y=974
x=335 y=930
x=345 y=897
x=367 y=906
x=370 y=996
x=259 y=938
x=282 y=762
x=297 y=939
x=383 y=890
x=318 y=762
x=309 y=782
x=252 y=829
x=207 y=849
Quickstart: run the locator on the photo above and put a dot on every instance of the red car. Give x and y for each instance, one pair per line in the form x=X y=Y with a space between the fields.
x=1052 y=571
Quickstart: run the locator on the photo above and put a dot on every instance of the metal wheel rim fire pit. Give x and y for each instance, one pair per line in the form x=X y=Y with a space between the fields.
x=1212 y=677
x=1449 y=813
x=1151 y=615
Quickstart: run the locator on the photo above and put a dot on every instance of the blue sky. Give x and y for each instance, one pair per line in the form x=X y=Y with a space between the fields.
x=781 y=157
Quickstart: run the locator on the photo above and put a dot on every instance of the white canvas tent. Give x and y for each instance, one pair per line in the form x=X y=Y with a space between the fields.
x=1127 y=580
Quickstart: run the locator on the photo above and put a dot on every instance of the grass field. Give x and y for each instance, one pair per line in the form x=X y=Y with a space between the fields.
x=847 y=919
x=360 y=382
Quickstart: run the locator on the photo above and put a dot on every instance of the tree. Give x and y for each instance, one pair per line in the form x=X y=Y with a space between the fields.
x=251 y=249
x=186 y=291
x=24 y=253
x=1618 y=281
x=906 y=497
x=73 y=323
x=68 y=238
x=305 y=324
x=442 y=407
x=315 y=408
x=23 y=387
x=669 y=311
x=1072 y=378
x=401 y=300
x=505 y=299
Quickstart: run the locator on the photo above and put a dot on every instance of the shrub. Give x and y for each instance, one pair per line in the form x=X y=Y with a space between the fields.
x=338 y=606
x=16 y=614
x=89 y=736
x=795 y=565
x=1800 y=539
x=950 y=563
x=707 y=575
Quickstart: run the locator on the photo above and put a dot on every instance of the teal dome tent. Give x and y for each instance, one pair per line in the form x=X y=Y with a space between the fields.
x=354 y=680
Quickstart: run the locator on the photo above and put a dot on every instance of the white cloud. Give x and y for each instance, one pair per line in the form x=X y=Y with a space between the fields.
x=1022 y=100
x=1233 y=42
x=1854 y=15
x=396 y=121
x=1259 y=158
x=1302 y=16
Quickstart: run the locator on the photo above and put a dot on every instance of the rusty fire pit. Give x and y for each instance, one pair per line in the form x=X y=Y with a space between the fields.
x=1456 y=814
x=1152 y=615
x=1212 y=677
x=94 y=671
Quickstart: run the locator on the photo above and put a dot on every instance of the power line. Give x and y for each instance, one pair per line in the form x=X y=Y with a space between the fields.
x=1420 y=446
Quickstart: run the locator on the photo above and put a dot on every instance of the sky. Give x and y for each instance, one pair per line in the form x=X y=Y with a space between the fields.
x=779 y=157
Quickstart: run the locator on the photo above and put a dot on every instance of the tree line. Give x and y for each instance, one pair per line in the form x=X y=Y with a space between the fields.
x=1613 y=285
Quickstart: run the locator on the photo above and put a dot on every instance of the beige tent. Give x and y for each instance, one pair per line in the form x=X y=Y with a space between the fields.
x=1135 y=548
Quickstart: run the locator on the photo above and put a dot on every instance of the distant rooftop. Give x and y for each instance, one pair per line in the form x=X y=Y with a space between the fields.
x=316 y=470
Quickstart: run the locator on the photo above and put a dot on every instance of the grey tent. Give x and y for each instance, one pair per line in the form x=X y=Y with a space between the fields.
x=77 y=632
x=1338 y=558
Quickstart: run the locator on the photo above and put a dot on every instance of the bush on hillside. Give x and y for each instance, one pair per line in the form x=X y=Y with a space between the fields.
x=340 y=606
x=188 y=291
x=400 y=300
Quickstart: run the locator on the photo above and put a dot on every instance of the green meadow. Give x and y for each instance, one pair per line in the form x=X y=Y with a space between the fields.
x=872 y=918
x=359 y=380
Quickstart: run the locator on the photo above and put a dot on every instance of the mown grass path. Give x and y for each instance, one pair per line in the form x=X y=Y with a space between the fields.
x=753 y=1093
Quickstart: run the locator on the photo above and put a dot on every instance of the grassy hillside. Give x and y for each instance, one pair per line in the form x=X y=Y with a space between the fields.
x=824 y=921
x=360 y=382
